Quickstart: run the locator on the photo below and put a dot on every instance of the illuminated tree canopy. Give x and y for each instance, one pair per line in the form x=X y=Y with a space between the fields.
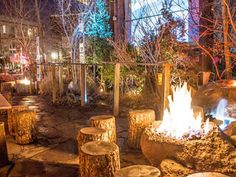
x=98 y=22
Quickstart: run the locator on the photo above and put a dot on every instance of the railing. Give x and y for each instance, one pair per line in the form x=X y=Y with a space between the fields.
x=82 y=69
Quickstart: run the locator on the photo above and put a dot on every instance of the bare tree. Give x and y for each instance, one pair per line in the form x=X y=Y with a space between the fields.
x=158 y=34
x=72 y=17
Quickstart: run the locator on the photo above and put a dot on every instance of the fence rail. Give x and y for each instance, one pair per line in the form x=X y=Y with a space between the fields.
x=82 y=69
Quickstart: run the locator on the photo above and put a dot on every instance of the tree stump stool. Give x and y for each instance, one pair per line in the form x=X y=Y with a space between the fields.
x=207 y=174
x=3 y=146
x=25 y=126
x=138 y=121
x=99 y=159
x=138 y=171
x=11 y=121
x=88 y=134
x=106 y=122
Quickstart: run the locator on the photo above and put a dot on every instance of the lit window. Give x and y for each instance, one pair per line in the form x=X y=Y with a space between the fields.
x=4 y=30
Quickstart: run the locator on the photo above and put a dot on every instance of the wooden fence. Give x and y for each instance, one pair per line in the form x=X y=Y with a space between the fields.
x=82 y=73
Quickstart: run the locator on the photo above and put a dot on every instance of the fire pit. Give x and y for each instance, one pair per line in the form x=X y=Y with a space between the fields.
x=188 y=140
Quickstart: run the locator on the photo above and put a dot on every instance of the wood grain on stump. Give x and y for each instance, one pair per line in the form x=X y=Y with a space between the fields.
x=207 y=174
x=11 y=121
x=3 y=146
x=106 y=122
x=138 y=171
x=99 y=159
x=88 y=134
x=25 y=126
x=138 y=121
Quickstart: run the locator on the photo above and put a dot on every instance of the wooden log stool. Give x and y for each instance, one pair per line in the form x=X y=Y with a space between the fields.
x=25 y=126
x=99 y=159
x=106 y=122
x=207 y=174
x=3 y=146
x=88 y=134
x=11 y=121
x=138 y=121
x=138 y=171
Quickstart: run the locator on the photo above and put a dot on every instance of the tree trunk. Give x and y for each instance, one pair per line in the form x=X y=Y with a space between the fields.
x=106 y=122
x=138 y=170
x=41 y=33
x=25 y=126
x=207 y=40
x=99 y=159
x=88 y=134
x=3 y=146
x=226 y=42
x=138 y=121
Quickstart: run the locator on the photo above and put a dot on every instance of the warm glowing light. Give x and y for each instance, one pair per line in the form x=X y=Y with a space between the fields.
x=25 y=81
x=54 y=55
x=179 y=121
x=233 y=83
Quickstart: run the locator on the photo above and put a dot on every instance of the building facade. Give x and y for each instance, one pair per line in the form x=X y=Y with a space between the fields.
x=17 y=39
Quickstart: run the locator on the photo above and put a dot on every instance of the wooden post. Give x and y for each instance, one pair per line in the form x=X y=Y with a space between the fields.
x=83 y=84
x=116 y=90
x=225 y=19
x=165 y=87
x=30 y=86
x=3 y=146
x=54 y=84
x=61 y=87
x=206 y=77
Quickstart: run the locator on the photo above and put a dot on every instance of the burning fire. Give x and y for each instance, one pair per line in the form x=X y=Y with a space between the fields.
x=25 y=81
x=179 y=121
